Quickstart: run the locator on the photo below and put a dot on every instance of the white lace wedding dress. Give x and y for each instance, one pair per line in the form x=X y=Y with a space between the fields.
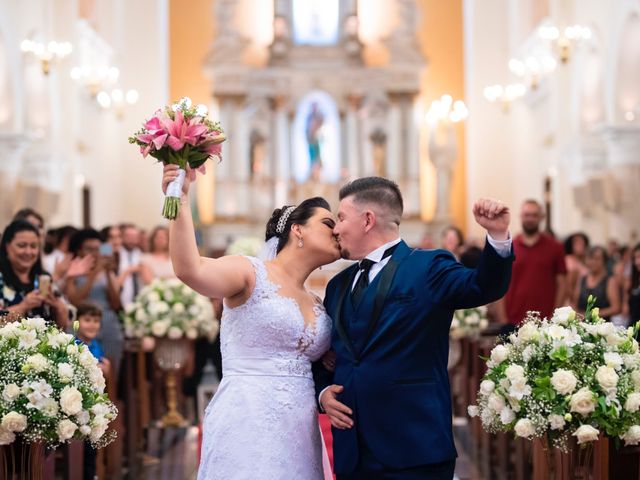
x=263 y=422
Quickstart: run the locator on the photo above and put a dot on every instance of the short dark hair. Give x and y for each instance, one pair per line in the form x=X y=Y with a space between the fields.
x=299 y=216
x=23 y=213
x=568 y=243
x=81 y=236
x=377 y=190
x=88 y=308
x=598 y=248
x=457 y=231
x=154 y=234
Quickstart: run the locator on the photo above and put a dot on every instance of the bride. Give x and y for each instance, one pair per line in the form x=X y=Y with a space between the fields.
x=262 y=422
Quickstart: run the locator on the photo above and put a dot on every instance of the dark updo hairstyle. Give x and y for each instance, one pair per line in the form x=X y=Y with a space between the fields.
x=9 y=276
x=81 y=236
x=299 y=216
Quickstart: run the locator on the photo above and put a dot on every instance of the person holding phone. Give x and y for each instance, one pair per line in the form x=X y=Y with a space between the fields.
x=26 y=290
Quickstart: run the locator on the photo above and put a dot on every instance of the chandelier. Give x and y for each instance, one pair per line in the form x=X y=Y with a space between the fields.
x=46 y=52
x=445 y=110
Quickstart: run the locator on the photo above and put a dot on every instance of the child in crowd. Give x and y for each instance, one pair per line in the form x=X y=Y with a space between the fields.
x=89 y=320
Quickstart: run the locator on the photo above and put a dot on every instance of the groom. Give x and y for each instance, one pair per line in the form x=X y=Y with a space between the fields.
x=389 y=400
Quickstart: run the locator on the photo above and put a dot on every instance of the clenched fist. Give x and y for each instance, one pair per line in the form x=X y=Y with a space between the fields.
x=494 y=216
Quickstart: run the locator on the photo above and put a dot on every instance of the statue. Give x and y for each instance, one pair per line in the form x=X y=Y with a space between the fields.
x=313 y=129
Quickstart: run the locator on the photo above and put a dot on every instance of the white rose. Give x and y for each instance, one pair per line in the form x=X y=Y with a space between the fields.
x=96 y=377
x=499 y=354
x=564 y=381
x=65 y=372
x=525 y=428
x=631 y=361
x=153 y=297
x=487 y=386
x=633 y=402
x=632 y=436
x=455 y=323
x=36 y=323
x=66 y=429
x=162 y=307
x=496 y=402
x=507 y=416
x=528 y=352
x=37 y=362
x=556 y=422
x=613 y=360
x=100 y=409
x=473 y=410
x=514 y=372
x=49 y=407
x=191 y=333
x=563 y=315
x=528 y=332
x=606 y=329
x=586 y=433
x=582 y=402
x=174 y=333
x=607 y=377
x=59 y=339
x=11 y=392
x=159 y=328
x=6 y=437
x=556 y=332
x=194 y=310
x=635 y=377
x=86 y=359
x=98 y=430
x=72 y=350
x=141 y=316
x=71 y=400
x=14 y=422
x=85 y=430
x=178 y=308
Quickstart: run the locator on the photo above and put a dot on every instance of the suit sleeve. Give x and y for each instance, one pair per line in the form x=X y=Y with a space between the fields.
x=455 y=286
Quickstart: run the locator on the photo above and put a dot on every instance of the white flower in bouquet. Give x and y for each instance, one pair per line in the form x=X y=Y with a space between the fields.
x=514 y=372
x=85 y=430
x=528 y=332
x=473 y=410
x=86 y=358
x=563 y=315
x=10 y=392
x=49 y=407
x=153 y=297
x=613 y=360
x=498 y=355
x=468 y=322
x=174 y=333
x=73 y=350
x=35 y=323
x=519 y=388
x=66 y=429
x=525 y=428
x=583 y=402
x=191 y=333
x=178 y=308
x=507 y=415
x=487 y=386
x=632 y=436
x=82 y=418
x=65 y=372
x=58 y=339
x=586 y=433
x=635 y=378
x=141 y=315
x=607 y=378
x=6 y=437
x=631 y=360
x=14 y=422
x=36 y=362
x=496 y=402
x=71 y=400
x=633 y=402
x=28 y=339
x=556 y=422
x=564 y=381
x=36 y=392
x=159 y=328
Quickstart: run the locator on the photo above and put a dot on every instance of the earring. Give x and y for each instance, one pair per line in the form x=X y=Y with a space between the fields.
x=300 y=243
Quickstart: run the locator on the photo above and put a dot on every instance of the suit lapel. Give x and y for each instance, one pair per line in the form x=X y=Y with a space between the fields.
x=340 y=328
x=386 y=279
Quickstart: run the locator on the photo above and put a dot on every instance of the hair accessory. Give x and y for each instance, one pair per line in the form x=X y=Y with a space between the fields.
x=283 y=219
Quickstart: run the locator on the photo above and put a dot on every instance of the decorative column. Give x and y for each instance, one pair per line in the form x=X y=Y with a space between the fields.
x=281 y=150
x=224 y=189
x=395 y=147
x=352 y=136
x=411 y=155
x=239 y=148
x=443 y=153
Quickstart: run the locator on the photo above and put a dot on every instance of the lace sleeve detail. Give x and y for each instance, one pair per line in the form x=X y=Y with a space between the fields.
x=263 y=287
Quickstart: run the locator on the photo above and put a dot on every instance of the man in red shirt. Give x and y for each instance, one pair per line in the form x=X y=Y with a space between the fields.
x=539 y=271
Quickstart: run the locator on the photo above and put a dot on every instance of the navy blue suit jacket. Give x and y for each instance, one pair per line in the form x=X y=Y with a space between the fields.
x=394 y=371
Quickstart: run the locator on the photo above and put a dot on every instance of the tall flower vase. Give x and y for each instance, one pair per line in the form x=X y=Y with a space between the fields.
x=22 y=461
x=171 y=356
x=589 y=461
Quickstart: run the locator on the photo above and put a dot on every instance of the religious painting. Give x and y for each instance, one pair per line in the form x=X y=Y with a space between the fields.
x=315 y=22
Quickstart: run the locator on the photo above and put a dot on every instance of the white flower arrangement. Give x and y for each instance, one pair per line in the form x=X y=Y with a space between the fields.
x=168 y=308
x=469 y=322
x=51 y=389
x=250 y=246
x=561 y=377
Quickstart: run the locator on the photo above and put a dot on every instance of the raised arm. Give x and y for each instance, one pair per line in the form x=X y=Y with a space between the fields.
x=214 y=278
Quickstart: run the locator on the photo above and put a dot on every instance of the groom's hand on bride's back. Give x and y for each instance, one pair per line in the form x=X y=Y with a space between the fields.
x=339 y=414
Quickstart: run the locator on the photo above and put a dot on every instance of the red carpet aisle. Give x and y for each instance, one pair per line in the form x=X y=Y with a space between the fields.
x=325 y=427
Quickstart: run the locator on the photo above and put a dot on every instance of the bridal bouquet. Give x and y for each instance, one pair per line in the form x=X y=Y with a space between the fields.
x=561 y=377
x=51 y=389
x=179 y=134
x=250 y=246
x=468 y=322
x=170 y=308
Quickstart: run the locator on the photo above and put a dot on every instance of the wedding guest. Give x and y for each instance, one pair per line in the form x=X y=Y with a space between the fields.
x=26 y=290
x=539 y=272
x=633 y=287
x=599 y=284
x=100 y=286
x=575 y=250
x=58 y=261
x=89 y=320
x=129 y=264
x=157 y=263
x=452 y=240
x=34 y=218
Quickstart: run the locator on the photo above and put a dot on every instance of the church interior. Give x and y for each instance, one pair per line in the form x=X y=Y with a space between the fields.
x=531 y=102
